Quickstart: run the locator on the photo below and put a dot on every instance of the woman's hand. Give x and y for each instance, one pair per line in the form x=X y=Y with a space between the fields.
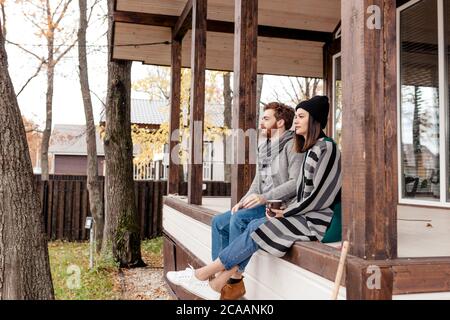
x=279 y=213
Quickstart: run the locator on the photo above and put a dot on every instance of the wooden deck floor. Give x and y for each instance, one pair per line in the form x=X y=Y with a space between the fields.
x=422 y=232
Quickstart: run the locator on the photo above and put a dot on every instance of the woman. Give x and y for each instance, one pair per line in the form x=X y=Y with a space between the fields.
x=306 y=220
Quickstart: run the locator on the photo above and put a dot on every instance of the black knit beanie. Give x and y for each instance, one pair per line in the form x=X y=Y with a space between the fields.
x=318 y=107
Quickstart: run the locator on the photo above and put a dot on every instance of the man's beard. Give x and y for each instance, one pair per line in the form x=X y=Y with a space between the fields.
x=269 y=131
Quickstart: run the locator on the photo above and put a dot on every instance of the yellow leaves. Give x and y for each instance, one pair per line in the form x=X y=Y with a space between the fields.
x=157 y=86
x=149 y=142
x=102 y=131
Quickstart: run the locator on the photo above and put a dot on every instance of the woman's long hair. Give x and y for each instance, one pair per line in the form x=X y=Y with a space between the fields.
x=314 y=130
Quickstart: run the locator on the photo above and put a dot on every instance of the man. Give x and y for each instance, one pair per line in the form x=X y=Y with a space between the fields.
x=278 y=167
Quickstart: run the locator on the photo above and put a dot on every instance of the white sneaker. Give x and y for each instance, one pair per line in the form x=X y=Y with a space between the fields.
x=180 y=277
x=201 y=289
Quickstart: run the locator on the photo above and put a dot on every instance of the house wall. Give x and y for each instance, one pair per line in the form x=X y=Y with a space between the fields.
x=75 y=165
x=423 y=231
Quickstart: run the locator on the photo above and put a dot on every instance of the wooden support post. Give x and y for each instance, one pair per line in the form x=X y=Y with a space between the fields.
x=174 y=125
x=244 y=101
x=370 y=190
x=197 y=107
x=368 y=282
x=369 y=129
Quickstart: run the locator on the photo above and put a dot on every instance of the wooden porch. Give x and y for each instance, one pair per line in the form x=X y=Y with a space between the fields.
x=309 y=270
x=390 y=252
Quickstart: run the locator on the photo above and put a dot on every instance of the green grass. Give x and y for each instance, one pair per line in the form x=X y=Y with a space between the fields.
x=72 y=279
x=153 y=246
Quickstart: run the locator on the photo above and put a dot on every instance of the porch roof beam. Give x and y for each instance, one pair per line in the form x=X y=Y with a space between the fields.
x=184 y=22
x=160 y=20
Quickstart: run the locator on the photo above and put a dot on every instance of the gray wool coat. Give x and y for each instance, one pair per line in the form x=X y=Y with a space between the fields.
x=285 y=172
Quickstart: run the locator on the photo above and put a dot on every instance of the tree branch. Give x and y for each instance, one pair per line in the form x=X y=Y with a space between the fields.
x=56 y=9
x=49 y=12
x=41 y=59
x=42 y=8
x=300 y=85
x=33 y=130
x=63 y=12
x=276 y=96
x=31 y=78
x=295 y=90
x=65 y=51
x=91 y=10
x=34 y=23
x=315 y=85
x=95 y=94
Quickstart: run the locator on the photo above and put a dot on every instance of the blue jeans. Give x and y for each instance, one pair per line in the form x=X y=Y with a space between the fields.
x=239 y=252
x=226 y=227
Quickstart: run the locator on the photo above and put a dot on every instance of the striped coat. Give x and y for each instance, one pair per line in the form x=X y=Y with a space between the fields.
x=308 y=218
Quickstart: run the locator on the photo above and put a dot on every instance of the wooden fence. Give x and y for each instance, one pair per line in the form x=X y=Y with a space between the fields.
x=65 y=205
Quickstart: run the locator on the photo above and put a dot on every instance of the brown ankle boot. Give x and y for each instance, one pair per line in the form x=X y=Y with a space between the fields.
x=233 y=291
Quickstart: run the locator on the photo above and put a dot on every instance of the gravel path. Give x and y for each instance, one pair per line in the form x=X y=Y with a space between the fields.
x=145 y=283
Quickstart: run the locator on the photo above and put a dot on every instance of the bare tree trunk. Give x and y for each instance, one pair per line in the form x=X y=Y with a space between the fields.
x=93 y=181
x=122 y=234
x=3 y=20
x=24 y=262
x=228 y=100
x=315 y=86
x=308 y=88
x=49 y=105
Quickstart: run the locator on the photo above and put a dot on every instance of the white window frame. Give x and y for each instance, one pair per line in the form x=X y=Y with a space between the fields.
x=333 y=75
x=208 y=165
x=443 y=116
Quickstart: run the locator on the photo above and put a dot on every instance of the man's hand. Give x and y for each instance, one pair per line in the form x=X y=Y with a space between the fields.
x=253 y=200
x=236 y=208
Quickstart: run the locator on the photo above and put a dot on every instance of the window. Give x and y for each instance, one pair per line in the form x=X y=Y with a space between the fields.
x=423 y=102
x=337 y=99
x=165 y=172
x=446 y=92
x=207 y=160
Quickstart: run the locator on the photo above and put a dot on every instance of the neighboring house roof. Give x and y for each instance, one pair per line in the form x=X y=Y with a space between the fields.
x=148 y=112
x=145 y=111
x=71 y=139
